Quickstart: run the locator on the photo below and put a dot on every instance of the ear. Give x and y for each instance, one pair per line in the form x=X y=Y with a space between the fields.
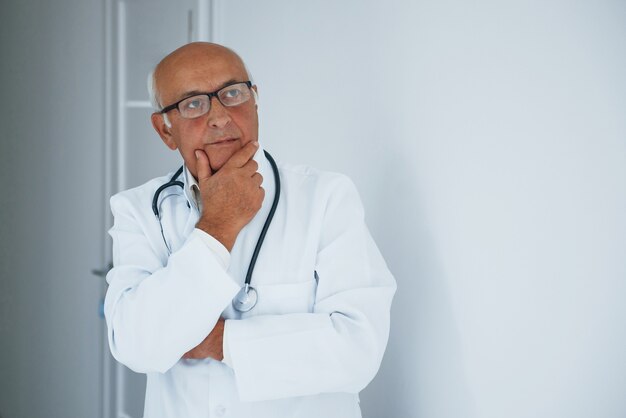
x=255 y=93
x=164 y=131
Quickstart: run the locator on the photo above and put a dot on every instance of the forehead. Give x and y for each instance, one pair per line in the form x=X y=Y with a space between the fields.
x=197 y=70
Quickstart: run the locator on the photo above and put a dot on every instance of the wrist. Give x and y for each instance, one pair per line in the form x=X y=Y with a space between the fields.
x=224 y=236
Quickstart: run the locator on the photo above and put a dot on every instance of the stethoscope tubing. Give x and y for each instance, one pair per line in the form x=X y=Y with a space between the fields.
x=268 y=221
x=172 y=182
x=248 y=288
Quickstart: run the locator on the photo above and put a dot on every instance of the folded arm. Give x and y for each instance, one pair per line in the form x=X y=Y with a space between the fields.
x=156 y=313
x=339 y=346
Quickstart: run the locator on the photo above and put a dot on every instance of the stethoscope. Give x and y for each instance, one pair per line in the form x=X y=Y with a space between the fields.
x=247 y=297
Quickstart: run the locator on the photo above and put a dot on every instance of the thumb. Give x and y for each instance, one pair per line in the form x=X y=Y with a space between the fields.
x=203 y=166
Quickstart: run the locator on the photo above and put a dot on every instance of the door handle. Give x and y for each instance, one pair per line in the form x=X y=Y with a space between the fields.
x=103 y=271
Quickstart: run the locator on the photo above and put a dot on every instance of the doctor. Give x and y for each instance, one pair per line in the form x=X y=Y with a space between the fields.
x=310 y=329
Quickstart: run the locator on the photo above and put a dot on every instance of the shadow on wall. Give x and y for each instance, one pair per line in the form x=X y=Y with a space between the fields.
x=422 y=323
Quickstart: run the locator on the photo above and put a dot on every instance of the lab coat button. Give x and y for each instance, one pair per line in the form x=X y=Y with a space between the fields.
x=220 y=411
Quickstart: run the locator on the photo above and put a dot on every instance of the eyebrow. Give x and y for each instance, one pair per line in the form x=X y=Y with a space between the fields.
x=192 y=93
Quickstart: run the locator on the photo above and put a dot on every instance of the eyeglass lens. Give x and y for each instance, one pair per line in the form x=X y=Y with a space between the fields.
x=229 y=96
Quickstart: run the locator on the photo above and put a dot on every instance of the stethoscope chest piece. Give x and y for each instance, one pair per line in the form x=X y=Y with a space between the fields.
x=245 y=299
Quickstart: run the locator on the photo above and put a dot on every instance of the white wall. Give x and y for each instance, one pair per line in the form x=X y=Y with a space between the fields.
x=488 y=141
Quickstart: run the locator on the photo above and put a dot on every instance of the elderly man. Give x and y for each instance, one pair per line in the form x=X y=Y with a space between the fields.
x=241 y=288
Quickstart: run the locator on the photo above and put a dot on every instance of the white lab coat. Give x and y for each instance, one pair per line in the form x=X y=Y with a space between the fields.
x=319 y=330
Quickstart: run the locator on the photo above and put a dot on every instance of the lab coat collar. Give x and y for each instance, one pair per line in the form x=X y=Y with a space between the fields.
x=192 y=189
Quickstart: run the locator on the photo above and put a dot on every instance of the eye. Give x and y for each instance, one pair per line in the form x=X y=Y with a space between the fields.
x=232 y=93
x=193 y=104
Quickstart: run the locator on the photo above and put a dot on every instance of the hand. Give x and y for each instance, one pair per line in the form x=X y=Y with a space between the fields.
x=211 y=346
x=232 y=196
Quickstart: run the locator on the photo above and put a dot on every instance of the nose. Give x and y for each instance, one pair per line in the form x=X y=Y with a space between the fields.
x=218 y=114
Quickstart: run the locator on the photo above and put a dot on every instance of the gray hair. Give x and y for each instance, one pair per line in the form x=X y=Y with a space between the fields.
x=152 y=91
x=155 y=100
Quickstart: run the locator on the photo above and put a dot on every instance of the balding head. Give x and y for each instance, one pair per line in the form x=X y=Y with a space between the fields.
x=183 y=56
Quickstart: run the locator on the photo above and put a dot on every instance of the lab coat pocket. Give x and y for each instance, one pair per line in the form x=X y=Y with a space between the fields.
x=284 y=298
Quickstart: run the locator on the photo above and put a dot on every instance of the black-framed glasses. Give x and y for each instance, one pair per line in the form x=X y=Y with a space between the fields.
x=199 y=104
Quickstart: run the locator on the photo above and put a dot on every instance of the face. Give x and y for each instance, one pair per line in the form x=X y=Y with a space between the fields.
x=203 y=68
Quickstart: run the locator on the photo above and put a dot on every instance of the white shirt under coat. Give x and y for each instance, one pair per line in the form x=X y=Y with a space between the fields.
x=317 y=334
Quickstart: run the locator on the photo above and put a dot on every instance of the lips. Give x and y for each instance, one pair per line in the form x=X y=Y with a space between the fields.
x=224 y=141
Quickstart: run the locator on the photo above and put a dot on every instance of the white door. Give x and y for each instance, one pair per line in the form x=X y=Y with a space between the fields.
x=139 y=34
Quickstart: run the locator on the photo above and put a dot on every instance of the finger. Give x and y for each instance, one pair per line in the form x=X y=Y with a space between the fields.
x=203 y=165
x=258 y=179
x=250 y=167
x=242 y=156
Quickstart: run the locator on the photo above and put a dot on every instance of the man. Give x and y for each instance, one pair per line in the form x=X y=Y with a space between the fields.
x=318 y=330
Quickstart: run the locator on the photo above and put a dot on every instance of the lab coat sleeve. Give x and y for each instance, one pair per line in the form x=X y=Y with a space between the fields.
x=339 y=346
x=155 y=313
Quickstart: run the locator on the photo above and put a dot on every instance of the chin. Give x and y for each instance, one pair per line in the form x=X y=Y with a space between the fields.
x=221 y=157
